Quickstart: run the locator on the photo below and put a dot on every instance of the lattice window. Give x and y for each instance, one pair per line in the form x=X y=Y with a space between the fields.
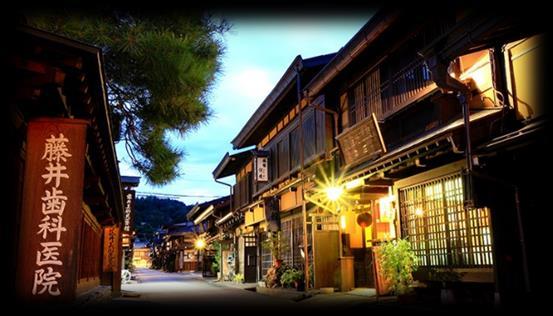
x=250 y=240
x=364 y=98
x=441 y=231
x=297 y=237
x=287 y=256
x=266 y=257
x=327 y=222
x=292 y=233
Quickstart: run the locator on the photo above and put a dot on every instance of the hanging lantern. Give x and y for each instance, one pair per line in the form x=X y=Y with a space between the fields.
x=364 y=219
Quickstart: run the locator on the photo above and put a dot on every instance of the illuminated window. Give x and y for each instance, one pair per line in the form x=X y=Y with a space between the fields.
x=442 y=232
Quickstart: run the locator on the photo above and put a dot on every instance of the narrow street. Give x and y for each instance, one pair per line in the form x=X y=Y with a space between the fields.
x=156 y=289
x=163 y=291
x=371 y=157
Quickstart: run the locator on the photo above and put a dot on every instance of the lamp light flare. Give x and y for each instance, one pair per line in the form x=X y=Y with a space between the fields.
x=199 y=244
x=333 y=193
x=419 y=212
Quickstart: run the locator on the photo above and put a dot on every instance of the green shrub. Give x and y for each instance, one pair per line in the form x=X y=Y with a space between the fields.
x=238 y=278
x=398 y=262
x=291 y=276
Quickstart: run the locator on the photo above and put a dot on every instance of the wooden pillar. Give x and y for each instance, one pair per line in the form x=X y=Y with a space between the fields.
x=51 y=210
x=116 y=279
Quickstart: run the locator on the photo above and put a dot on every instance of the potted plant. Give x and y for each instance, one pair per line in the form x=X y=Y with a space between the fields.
x=272 y=278
x=238 y=278
x=292 y=278
x=398 y=262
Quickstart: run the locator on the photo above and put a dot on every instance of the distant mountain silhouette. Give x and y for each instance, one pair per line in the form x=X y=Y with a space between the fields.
x=151 y=213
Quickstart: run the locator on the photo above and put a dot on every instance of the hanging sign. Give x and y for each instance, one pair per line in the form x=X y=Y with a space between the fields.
x=261 y=169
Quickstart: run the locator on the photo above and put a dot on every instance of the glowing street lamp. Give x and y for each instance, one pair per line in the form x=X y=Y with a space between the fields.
x=199 y=244
x=333 y=193
x=330 y=192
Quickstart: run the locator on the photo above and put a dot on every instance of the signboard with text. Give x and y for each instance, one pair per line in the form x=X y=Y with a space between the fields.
x=111 y=249
x=261 y=169
x=128 y=211
x=51 y=211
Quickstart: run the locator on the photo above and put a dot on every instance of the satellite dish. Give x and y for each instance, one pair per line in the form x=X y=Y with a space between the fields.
x=364 y=219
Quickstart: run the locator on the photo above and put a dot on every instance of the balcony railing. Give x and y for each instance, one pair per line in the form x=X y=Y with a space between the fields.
x=409 y=84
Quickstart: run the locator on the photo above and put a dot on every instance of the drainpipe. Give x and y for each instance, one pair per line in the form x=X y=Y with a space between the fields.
x=230 y=191
x=230 y=206
x=438 y=68
x=522 y=242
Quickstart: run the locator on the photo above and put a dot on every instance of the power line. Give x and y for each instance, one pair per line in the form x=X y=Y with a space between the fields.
x=176 y=195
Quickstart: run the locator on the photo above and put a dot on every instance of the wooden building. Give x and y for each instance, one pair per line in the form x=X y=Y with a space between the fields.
x=180 y=238
x=204 y=217
x=141 y=255
x=268 y=189
x=65 y=202
x=230 y=224
x=439 y=118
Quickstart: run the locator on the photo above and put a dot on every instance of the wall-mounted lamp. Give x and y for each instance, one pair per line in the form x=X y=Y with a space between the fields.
x=333 y=193
x=199 y=244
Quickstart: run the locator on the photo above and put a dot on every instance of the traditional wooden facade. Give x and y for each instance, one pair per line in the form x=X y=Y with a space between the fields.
x=288 y=137
x=65 y=198
x=232 y=223
x=204 y=217
x=180 y=238
x=434 y=113
x=141 y=255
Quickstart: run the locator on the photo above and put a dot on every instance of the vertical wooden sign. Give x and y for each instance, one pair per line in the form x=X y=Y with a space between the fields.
x=128 y=211
x=111 y=249
x=51 y=210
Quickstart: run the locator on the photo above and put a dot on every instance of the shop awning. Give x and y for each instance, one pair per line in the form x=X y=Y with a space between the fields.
x=224 y=218
x=516 y=138
x=207 y=212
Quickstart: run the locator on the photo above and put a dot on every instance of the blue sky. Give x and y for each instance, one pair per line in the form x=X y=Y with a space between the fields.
x=258 y=51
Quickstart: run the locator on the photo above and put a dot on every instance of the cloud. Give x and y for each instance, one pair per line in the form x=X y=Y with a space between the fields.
x=251 y=83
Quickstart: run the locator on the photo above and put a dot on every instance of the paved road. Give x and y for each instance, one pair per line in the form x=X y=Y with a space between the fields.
x=161 y=290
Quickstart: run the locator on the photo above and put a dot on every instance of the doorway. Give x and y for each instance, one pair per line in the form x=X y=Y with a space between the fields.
x=250 y=259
